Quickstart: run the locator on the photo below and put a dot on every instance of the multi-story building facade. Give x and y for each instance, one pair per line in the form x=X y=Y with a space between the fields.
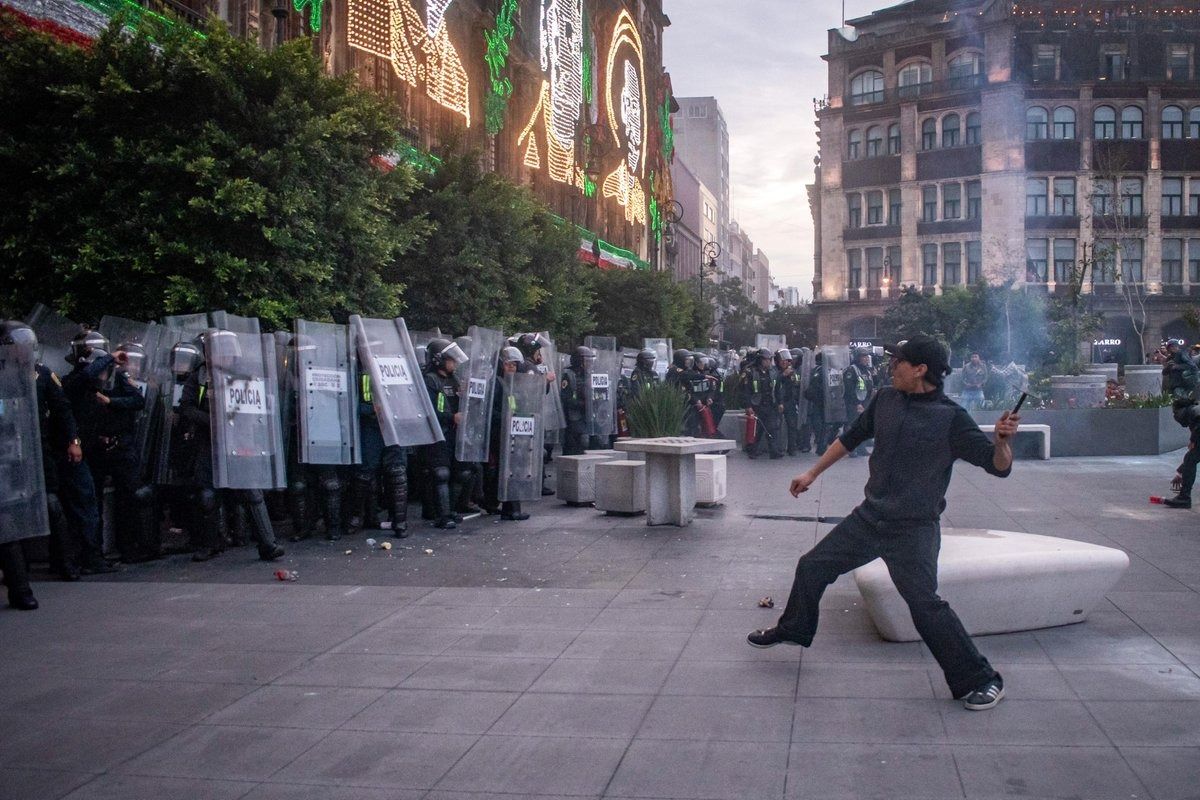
x=763 y=285
x=697 y=224
x=1032 y=142
x=702 y=140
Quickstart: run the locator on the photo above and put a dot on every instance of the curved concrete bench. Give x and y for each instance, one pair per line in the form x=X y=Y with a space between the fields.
x=1042 y=431
x=1001 y=582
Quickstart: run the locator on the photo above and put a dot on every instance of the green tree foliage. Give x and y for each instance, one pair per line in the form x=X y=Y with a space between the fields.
x=726 y=311
x=637 y=304
x=143 y=177
x=797 y=323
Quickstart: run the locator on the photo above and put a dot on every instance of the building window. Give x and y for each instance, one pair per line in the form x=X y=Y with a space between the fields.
x=915 y=80
x=874 y=141
x=929 y=134
x=965 y=70
x=874 y=267
x=1194 y=123
x=1131 y=197
x=1131 y=261
x=1172 y=122
x=950 y=131
x=1102 y=198
x=952 y=201
x=1045 y=62
x=929 y=204
x=974 y=128
x=974 y=199
x=1064 y=122
x=1172 y=197
x=1172 y=260
x=1035 y=197
x=1194 y=260
x=1105 y=123
x=1035 y=260
x=974 y=262
x=893 y=143
x=854 y=145
x=866 y=88
x=951 y=264
x=895 y=205
x=1104 y=270
x=929 y=264
x=1194 y=197
x=874 y=208
x=1114 y=62
x=697 y=112
x=1131 y=123
x=1064 y=197
x=1064 y=260
x=854 y=268
x=1036 y=123
x=1179 y=62
x=854 y=210
x=893 y=266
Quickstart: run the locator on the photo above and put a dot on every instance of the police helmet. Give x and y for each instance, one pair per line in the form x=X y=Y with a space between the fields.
x=763 y=353
x=859 y=352
x=223 y=348
x=580 y=355
x=797 y=354
x=86 y=347
x=529 y=343
x=509 y=355
x=185 y=357
x=135 y=358
x=782 y=355
x=681 y=359
x=442 y=350
x=15 y=332
x=646 y=359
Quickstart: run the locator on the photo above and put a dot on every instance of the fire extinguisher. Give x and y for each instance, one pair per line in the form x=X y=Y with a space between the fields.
x=751 y=427
x=708 y=427
x=622 y=424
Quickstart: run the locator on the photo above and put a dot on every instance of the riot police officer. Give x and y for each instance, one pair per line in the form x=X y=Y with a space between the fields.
x=681 y=361
x=716 y=394
x=815 y=395
x=512 y=360
x=643 y=376
x=762 y=392
x=858 y=387
x=446 y=474
x=574 y=384
x=532 y=346
x=302 y=478
x=791 y=383
x=804 y=440
x=390 y=461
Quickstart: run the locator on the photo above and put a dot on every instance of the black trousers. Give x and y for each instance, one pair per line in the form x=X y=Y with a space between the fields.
x=769 y=438
x=791 y=421
x=910 y=551
x=16 y=574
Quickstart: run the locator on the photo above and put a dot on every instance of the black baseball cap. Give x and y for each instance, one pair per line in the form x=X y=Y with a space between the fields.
x=923 y=349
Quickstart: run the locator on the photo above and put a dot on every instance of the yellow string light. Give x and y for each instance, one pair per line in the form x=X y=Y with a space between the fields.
x=629 y=133
x=561 y=95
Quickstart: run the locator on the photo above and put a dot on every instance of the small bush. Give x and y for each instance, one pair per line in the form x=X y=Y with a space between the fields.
x=658 y=410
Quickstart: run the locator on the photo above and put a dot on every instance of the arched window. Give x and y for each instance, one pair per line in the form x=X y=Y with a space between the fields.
x=915 y=80
x=1131 y=123
x=1104 y=120
x=929 y=134
x=1194 y=123
x=1037 y=123
x=874 y=141
x=950 y=130
x=1064 y=122
x=974 y=134
x=1172 y=122
x=866 y=88
x=854 y=145
x=965 y=70
x=893 y=143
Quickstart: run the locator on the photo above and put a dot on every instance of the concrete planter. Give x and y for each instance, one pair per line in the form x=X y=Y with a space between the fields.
x=1103 y=431
x=1143 y=379
x=1077 y=391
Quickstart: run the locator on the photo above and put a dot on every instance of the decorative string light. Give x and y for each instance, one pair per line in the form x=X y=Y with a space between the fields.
x=419 y=50
x=668 y=130
x=496 y=57
x=561 y=95
x=315 y=7
x=626 y=59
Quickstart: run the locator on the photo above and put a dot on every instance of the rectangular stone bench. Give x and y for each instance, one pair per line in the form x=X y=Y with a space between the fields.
x=1037 y=430
x=1001 y=582
x=577 y=478
x=711 y=479
x=621 y=487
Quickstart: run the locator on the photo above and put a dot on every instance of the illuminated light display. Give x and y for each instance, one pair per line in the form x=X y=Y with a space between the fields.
x=496 y=57
x=668 y=131
x=625 y=91
x=561 y=96
x=315 y=8
x=419 y=50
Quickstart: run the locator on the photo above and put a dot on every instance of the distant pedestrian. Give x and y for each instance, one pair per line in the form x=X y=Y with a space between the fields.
x=918 y=433
x=974 y=377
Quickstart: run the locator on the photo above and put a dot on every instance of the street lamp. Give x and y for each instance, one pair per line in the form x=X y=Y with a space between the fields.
x=711 y=252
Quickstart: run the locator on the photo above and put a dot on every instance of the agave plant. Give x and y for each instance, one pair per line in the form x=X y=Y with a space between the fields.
x=658 y=410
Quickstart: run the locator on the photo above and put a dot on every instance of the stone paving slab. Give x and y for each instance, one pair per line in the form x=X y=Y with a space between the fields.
x=580 y=656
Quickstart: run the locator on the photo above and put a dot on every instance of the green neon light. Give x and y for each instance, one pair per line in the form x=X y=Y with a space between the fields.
x=496 y=56
x=314 y=12
x=587 y=59
x=656 y=218
x=411 y=154
x=668 y=133
x=134 y=13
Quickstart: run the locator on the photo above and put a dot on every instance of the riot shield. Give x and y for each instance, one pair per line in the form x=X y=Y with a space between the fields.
x=54 y=334
x=600 y=379
x=398 y=392
x=834 y=360
x=170 y=460
x=147 y=368
x=476 y=393
x=808 y=360
x=770 y=341
x=23 y=512
x=247 y=436
x=628 y=362
x=285 y=365
x=326 y=403
x=662 y=350
x=189 y=325
x=555 y=418
x=420 y=339
x=232 y=322
x=521 y=437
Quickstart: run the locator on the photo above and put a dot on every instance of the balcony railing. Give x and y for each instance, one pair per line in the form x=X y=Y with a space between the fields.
x=915 y=91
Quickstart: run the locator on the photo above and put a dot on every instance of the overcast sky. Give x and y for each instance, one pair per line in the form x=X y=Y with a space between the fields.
x=761 y=59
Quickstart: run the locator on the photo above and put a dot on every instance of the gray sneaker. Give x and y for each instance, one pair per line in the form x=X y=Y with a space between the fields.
x=985 y=696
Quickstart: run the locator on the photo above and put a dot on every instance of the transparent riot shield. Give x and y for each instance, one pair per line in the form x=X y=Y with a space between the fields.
x=555 y=418
x=476 y=393
x=834 y=360
x=23 y=513
x=326 y=403
x=285 y=366
x=770 y=341
x=189 y=325
x=521 y=437
x=808 y=360
x=247 y=435
x=232 y=322
x=662 y=350
x=601 y=376
x=398 y=392
x=147 y=368
x=420 y=339
x=170 y=461
x=54 y=334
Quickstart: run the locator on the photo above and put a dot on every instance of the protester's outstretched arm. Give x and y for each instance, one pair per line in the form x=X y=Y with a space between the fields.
x=835 y=452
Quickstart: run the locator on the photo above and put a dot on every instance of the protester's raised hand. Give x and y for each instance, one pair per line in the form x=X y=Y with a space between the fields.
x=1007 y=426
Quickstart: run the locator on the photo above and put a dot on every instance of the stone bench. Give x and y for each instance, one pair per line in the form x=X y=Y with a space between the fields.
x=671 y=474
x=621 y=487
x=577 y=478
x=1001 y=582
x=711 y=479
x=1038 y=430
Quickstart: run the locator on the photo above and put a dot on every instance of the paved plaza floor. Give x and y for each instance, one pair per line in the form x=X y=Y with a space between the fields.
x=582 y=656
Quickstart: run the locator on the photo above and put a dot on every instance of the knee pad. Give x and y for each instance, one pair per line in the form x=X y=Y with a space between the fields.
x=331 y=484
x=441 y=474
x=252 y=497
x=207 y=500
x=144 y=495
x=297 y=487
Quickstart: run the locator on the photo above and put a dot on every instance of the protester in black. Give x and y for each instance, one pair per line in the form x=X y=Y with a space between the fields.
x=918 y=433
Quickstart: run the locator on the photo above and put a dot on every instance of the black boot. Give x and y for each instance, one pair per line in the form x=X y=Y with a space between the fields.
x=510 y=511
x=445 y=519
x=396 y=494
x=260 y=526
x=1180 y=500
x=208 y=525
x=16 y=577
x=331 y=488
x=299 y=512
